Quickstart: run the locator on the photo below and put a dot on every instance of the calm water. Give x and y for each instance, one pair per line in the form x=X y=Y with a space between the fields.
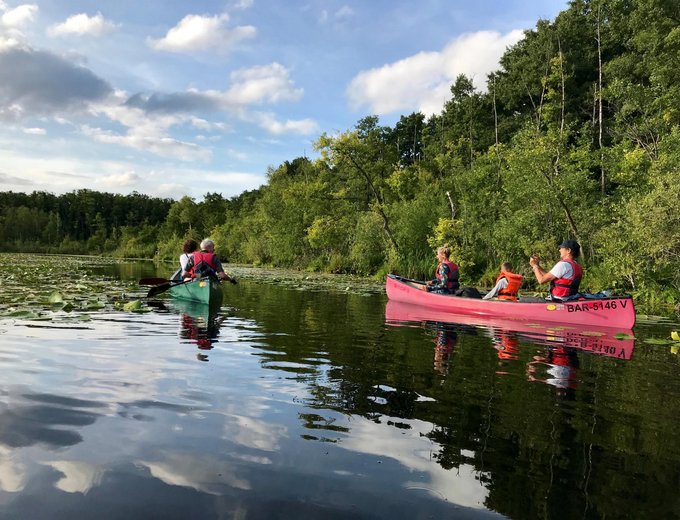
x=300 y=404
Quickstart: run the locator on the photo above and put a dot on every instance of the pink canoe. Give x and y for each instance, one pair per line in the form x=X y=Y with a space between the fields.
x=605 y=312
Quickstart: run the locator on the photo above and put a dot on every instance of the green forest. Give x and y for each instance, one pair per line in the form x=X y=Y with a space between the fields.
x=577 y=135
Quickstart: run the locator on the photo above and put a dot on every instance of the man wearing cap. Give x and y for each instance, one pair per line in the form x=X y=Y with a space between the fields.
x=566 y=274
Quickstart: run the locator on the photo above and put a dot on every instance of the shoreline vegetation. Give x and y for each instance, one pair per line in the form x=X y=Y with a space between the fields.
x=576 y=135
x=84 y=293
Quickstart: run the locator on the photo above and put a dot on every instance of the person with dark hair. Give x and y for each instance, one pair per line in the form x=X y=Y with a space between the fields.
x=565 y=276
x=507 y=284
x=189 y=246
x=446 y=274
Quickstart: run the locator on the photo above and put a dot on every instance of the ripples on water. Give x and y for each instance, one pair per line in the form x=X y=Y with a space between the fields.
x=288 y=404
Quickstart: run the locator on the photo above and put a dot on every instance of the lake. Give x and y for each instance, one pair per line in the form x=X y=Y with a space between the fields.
x=311 y=397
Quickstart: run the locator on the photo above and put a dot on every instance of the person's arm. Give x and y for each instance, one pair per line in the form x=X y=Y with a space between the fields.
x=502 y=284
x=542 y=276
x=441 y=282
x=220 y=272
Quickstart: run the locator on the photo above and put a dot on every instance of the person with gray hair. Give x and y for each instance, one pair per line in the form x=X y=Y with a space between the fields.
x=206 y=263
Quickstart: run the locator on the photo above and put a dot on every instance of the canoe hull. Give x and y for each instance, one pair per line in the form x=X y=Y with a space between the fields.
x=206 y=291
x=606 y=312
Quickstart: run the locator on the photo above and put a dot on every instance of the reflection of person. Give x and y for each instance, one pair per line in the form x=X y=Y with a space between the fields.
x=561 y=368
x=199 y=330
x=507 y=284
x=188 y=248
x=205 y=263
x=443 y=347
x=565 y=276
x=507 y=345
x=446 y=274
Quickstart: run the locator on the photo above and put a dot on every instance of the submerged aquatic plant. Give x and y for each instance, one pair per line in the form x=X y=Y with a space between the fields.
x=54 y=287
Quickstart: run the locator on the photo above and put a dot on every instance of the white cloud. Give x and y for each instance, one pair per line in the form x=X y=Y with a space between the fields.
x=300 y=126
x=422 y=82
x=344 y=12
x=35 y=131
x=200 y=33
x=19 y=15
x=82 y=24
x=120 y=180
x=267 y=83
x=243 y=4
x=162 y=145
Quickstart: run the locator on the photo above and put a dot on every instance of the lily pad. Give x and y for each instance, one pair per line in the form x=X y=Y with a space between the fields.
x=56 y=297
x=25 y=314
x=658 y=341
x=623 y=335
x=134 y=305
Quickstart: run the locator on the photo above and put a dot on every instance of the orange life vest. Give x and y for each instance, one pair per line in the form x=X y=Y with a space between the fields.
x=514 y=283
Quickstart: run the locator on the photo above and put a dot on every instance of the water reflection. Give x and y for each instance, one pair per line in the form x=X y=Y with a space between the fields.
x=311 y=407
x=558 y=367
x=505 y=333
x=200 y=325
x=444 y=344
x=53 y=422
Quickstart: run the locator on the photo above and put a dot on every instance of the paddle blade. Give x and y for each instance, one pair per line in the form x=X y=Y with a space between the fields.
x=158 y=289
x=153 y=281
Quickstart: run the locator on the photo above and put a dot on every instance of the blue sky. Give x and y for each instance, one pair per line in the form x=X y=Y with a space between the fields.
x=173 y=98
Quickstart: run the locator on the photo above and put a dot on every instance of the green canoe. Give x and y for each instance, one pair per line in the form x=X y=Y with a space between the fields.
x=202 y=290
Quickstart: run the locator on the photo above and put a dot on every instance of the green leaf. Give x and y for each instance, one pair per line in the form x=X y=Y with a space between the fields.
x=134 y=305
x=658 y=341
x=623 y=335
x=55 y=297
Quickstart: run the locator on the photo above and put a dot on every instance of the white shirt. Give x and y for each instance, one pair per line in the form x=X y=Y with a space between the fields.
x=502 y=284
x=562 y=269
x=183 y=261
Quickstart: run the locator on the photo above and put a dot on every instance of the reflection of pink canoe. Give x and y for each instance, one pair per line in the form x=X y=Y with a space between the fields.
x=605 y=312
x=599 y=340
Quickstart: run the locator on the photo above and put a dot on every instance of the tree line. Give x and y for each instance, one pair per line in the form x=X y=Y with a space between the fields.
x=577 y=135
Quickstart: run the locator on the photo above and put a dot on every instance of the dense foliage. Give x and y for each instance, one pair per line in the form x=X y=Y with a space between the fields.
x=577 y=135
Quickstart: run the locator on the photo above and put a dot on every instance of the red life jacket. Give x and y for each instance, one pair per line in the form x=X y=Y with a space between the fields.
x=202 y=256
x=567 y=286
x=452 y=281
x=514 y=283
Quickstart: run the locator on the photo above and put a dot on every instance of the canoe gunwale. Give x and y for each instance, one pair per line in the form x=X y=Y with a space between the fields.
x=209 y=293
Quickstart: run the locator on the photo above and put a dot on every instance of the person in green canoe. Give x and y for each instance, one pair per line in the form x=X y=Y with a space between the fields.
x=206 y=263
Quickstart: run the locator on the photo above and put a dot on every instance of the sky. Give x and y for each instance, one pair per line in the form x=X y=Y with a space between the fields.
x=172 y=98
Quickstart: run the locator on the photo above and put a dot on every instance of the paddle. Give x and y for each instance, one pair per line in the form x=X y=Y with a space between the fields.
x=158 y=289
x=153 y=281
x=401 y=278
x=167 y=284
